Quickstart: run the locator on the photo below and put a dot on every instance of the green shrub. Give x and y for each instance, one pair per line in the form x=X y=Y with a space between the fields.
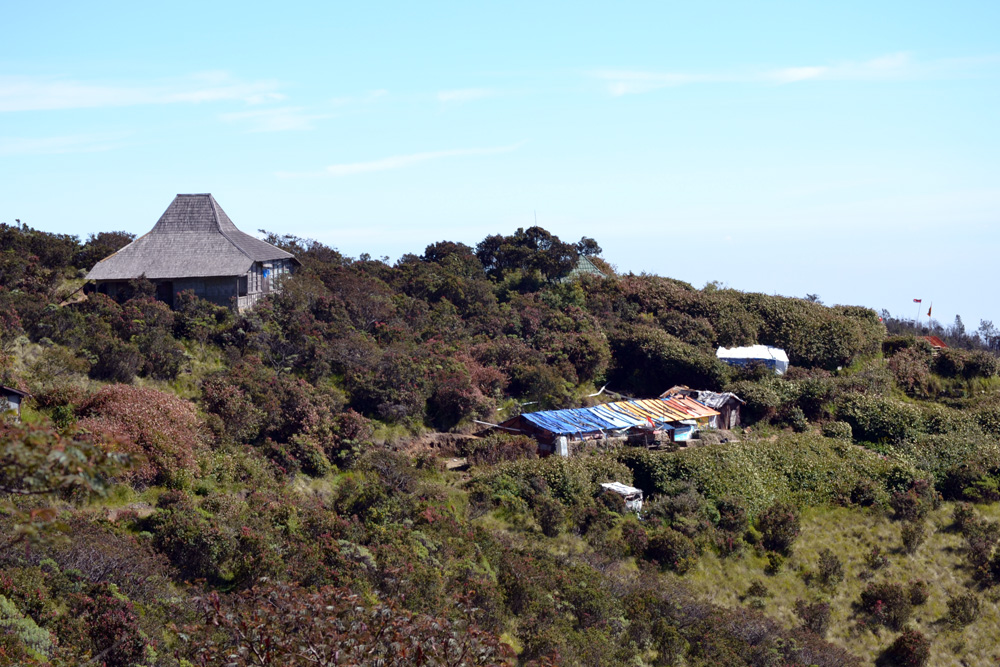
x=196 y=547
x=919 y=591
x=647 y=359
x=806 y=468
x=815 y=617
x=838 y=430
x=966 y=364
x=572 y=480
x=831 y=569
x=971 y=481
x=797 y=420
x=550 y=515
x=498 y=447
x=761 y=401
x=779 y=526
x=757 y=589
x=775 y=562
x=887 y=604
x=732 y=514
x=913 y=535
x=910 y=649
x=671 y=550
x=963 y=608
x=634 y=536
x=879 y=419
x=988 y=419
x=876 y=558
x=23 y=628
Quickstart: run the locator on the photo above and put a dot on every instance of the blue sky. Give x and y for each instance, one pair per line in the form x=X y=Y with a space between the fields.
x=845 y=149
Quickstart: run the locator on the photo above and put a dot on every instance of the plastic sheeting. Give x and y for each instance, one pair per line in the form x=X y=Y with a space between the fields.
x=772 y=357
x=619 y=416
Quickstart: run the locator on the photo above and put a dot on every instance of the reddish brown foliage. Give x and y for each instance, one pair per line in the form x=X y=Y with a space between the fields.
x=289 y=626
x=159 y=427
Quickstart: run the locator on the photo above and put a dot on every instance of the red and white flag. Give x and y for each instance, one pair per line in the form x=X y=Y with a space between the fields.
x=917 y=300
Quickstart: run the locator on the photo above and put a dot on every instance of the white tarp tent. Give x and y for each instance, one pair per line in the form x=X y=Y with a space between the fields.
x=771 y=357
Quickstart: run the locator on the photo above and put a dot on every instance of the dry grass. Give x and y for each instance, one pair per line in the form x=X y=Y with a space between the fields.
x=851 y=535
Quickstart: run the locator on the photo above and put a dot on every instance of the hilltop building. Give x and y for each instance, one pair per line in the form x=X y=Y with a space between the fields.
x=584 y=267
x=195 y=246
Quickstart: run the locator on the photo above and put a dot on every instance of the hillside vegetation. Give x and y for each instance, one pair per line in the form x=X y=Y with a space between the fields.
x=199 y=487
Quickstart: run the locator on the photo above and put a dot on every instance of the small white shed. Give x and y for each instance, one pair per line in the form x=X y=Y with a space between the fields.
x=10 y=401
x=632 y=495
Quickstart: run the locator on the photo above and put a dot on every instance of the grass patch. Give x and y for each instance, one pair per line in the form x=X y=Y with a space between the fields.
x=851 y=535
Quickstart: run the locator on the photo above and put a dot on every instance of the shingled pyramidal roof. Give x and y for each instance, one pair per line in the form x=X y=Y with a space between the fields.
x=193 y=238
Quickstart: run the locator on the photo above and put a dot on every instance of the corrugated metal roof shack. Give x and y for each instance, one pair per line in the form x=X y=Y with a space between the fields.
x=727 y=403
x=554 y=429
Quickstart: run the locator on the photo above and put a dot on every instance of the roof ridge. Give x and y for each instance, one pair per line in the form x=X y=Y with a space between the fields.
x=218 y=224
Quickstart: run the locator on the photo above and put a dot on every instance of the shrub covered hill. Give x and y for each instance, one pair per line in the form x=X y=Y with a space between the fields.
x=199 y=487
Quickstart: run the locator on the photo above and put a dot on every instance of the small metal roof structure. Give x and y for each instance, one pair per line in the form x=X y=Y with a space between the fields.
x=193 y=238
x=6 y=391
x=632 y=495
x=771 y=356
x=716 y=400
x=623 y=489
x=934 y=341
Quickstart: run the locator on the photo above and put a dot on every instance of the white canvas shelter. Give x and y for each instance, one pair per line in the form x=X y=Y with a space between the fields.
x=772 y=357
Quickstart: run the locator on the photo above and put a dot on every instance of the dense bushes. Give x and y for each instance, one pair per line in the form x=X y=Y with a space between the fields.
x=161 y=430
x=778 y=526
x=802 y=467
x=498 y=446
x=879 y=419
x=648 y=361
x=290 y=625
x=886 y=603
x=352 y=351
x=671 y=550
x=910 y=649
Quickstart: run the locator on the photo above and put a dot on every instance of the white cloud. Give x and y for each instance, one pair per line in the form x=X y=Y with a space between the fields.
x=465 y=94
x=370 y=96
x=627 y=82
x=49 y=93
x=275 y=120
x=398 y=161
x=78 y=143
x=895 y=66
